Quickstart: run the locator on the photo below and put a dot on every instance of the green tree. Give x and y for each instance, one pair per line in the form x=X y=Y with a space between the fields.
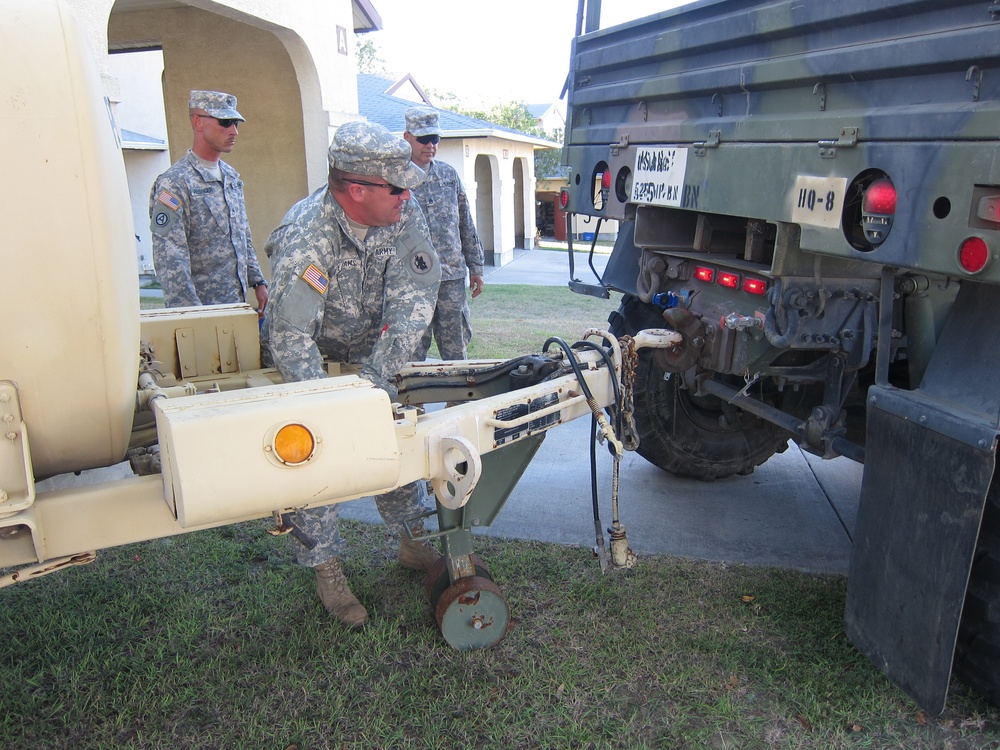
x=516 y=116
x=444 y=99
x=369 y=60
x=548 y=163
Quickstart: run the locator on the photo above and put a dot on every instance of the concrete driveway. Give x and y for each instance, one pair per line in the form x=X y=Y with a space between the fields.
x=796 y=511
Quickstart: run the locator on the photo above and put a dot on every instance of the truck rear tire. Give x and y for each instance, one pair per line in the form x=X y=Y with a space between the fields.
x=977 y=653
x=684 y=434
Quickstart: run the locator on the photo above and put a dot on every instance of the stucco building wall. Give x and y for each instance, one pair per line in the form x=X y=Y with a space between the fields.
x=294 y=81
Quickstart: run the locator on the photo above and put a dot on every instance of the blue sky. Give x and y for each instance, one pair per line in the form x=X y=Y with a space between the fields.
x=518 y=49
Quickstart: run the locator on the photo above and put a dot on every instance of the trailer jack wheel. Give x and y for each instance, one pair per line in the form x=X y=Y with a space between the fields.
x=438 y=580
x=472 y=613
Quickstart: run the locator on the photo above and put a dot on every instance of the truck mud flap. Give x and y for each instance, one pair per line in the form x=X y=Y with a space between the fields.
x=930 y=457
x=623 y=265
x=922 y=500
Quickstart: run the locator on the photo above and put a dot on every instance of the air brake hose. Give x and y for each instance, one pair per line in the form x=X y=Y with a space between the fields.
x=606 y=428
x=621 y=554
x=602 y=554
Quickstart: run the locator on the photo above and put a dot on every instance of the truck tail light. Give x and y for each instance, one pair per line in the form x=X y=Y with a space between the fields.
x=750 y=285
x=563 y=199
x=878 y=207
x=973 y=254
x=754 y=286
x=729 y=280
x=704 y=273
x=606 y=180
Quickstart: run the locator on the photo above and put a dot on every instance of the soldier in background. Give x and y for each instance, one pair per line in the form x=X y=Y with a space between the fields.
x=202 y=248
x=443 y=201
x=355 y=280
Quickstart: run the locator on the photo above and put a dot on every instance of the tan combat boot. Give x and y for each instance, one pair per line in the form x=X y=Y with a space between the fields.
x=331 y=585
x=417 y=555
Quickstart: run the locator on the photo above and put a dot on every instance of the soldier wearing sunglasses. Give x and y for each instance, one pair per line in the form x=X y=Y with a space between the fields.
x=446 y=206
x=355 y=281
x=202 y=248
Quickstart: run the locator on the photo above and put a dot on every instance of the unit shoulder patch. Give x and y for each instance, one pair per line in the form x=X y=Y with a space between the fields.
x=164 y=213
x=421 y=262
x=414 y=251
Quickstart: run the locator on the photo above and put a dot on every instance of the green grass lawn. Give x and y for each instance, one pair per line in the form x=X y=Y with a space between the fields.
x=513 y=319
x=216 y=640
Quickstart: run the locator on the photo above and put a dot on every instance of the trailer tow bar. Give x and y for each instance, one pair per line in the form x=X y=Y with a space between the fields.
x=468 y=606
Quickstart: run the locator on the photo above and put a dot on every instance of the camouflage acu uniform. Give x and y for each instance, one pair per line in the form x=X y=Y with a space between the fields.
x=340 y=298
x=201 y=236
x=446 y=206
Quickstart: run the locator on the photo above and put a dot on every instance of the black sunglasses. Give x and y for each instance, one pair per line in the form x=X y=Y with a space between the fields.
x=425 y=139
x=393 y=190
x=228 y=123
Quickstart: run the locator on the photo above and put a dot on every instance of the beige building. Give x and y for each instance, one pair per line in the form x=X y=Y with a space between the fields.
x=496 y=164
x=291 y=65
x=293 y=68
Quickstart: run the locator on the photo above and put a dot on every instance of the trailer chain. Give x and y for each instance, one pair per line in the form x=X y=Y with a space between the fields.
x=630 y=358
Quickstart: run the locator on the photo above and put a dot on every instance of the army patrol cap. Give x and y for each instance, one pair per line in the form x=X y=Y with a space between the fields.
x=422 y=121
x=217 y=104
x=366 y=148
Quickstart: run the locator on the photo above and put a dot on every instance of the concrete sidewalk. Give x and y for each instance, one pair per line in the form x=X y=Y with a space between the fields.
x=545 y=268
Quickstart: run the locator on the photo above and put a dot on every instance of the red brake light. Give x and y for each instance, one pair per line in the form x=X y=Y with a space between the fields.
x=974 y=254
x=703 y=273
x=877 y=210
x=730 y=280
x=605 y=180
x=754 y=286
x=880 y=198
x=563 y=199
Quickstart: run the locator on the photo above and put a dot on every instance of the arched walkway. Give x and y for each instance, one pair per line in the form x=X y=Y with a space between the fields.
x=520 y=178
x=487 y=205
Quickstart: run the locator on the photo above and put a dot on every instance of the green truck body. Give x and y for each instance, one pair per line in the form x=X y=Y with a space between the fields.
x=810 y=194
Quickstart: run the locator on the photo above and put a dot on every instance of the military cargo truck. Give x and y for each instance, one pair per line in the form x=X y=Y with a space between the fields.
x=809 y=194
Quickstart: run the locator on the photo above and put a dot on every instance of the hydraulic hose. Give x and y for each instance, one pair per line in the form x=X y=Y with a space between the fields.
x=486 y=375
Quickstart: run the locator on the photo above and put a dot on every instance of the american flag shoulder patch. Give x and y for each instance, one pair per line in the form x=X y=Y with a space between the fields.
x=316 y=279
x=169 y=200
